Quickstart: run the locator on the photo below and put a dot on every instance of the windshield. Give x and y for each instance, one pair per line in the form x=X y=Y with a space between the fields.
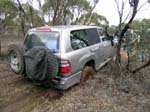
x=42 y=38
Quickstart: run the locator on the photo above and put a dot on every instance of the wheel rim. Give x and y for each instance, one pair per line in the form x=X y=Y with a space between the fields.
x=15 y=61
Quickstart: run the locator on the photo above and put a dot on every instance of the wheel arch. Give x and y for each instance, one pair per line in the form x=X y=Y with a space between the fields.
x=90 y=63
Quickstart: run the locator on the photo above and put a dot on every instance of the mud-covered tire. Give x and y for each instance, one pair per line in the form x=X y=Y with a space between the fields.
x=41 y=65
x=16 y=59
x=87 y=71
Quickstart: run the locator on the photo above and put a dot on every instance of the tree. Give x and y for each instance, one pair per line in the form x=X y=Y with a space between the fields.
x=56 y=10
x=22 y=15
x=18 y=16
x=95 y=19
x=78 y=9
x=69 y=11
x=32 y=14
x=144 y=32
x=136 y=25
x=41 y=13
x=111 y=29
x=125 y=23
x=8 y=12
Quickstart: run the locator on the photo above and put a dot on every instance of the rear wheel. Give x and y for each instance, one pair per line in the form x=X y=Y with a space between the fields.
x=16 y=60
x=88 y=71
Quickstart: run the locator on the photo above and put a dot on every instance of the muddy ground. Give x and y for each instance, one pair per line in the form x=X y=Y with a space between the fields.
x=100 y=94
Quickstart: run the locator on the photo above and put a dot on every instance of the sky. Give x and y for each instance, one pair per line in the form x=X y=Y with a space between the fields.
x=108 y=9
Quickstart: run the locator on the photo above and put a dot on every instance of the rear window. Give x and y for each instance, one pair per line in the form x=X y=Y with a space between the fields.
x=40 y=38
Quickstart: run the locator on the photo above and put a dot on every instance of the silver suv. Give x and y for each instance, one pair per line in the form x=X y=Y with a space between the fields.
x=80 y=50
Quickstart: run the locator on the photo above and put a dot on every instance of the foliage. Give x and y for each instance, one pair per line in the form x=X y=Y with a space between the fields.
x=20 y=16
x=112 y=29
x=125 y=20
x=140 y=31
x=137 y=40
x=71 y=12
x=8 y=11
x=96 y=19
x=125 y=24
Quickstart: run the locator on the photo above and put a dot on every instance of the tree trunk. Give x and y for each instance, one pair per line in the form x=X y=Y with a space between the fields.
x=128 y=61
x=56 y=9
x=31 y=16
x=42 y=14
x=23 y=27
x=0 y=47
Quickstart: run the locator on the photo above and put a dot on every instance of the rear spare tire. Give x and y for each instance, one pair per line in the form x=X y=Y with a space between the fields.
x=16 y=60
x=41 y=65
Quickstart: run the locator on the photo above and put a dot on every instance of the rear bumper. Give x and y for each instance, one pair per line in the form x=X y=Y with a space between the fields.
x=66 y=82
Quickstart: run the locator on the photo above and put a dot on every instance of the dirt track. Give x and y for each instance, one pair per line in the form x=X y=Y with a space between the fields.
x=18 y=94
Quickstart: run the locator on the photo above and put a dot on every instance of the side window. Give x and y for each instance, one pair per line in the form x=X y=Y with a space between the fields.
x=101 y=32
x=93 y=36
x=78 y=39
x=103 y=36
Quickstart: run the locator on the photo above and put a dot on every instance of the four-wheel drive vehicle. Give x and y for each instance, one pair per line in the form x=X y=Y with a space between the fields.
x=60 y=55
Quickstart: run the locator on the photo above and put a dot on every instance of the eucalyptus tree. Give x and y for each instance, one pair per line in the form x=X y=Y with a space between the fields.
x=8 y=11
x=95 y=19
x=34 y=18
x=55 y=10
x=125 y=20
x=28 y=16
x=80 y=8
x=68 y=11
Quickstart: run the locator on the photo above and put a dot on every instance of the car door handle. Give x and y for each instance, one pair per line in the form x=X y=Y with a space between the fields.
x=95 y=49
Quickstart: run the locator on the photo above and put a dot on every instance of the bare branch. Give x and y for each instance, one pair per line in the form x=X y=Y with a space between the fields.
x=142 y=6
x=91 y=12
x=120 y=11
x=141 y=67
x=117 y=4
x=132 y=17
x=127 y=16
x=21 y=9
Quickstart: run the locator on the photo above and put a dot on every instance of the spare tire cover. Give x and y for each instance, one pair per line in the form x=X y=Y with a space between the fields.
x=41 y=64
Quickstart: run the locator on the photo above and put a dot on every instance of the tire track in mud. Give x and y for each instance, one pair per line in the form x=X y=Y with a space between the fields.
x=5 y=70
x=2 y=76
x=28 y=100
x=20 y=94
x=10 y=79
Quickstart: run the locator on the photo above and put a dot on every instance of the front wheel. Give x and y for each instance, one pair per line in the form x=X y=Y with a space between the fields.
x=88 y=71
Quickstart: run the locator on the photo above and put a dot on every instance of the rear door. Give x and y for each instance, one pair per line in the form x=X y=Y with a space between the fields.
x=95 y=45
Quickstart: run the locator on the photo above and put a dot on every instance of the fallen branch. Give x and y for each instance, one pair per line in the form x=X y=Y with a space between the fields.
x=141 y=67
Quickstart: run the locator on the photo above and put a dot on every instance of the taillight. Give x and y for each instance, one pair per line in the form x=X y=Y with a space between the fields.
x=43 y=28
x=65 y=67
